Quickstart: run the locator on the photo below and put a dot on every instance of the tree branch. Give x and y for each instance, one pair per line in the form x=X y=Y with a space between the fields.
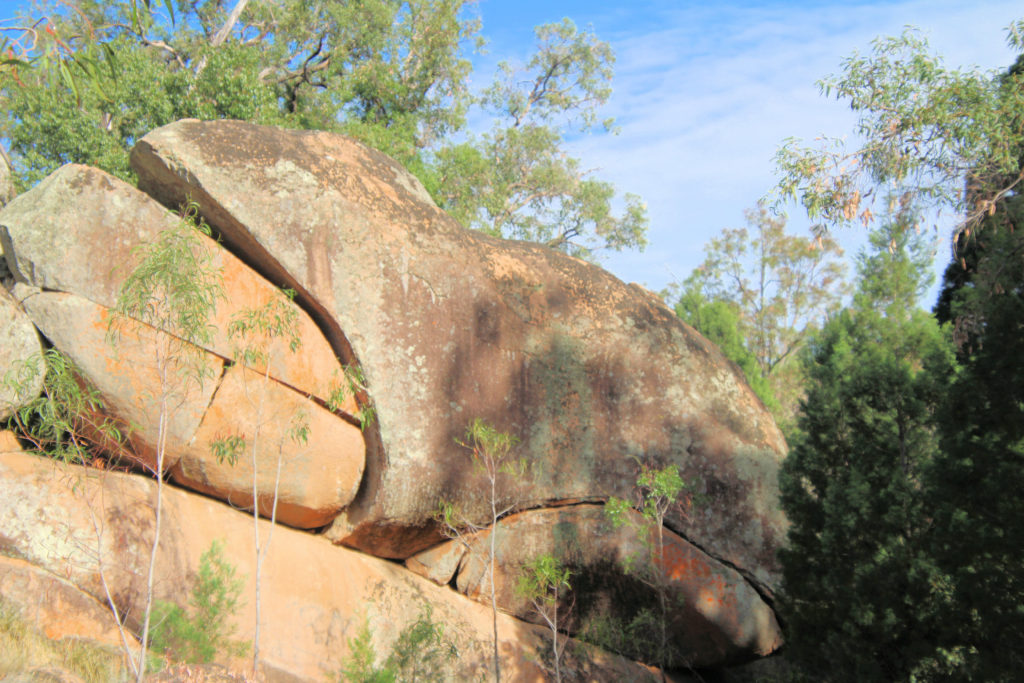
x=222 y=33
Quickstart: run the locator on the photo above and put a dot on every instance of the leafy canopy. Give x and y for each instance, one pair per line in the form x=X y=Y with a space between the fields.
x=85 y=81
x=940 y=137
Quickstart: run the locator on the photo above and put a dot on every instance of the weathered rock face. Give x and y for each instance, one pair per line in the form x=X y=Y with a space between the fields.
x=127 y=375
x=18 y=344
x=450 y=325
x=317 y=477
x=714 y=615
x=56 y=606
x=315 y=596
x=314 y=478
x=6 y=181
x=76 y=236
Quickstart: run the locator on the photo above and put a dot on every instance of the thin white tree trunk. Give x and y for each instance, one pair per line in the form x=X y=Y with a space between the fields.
x=161 y=447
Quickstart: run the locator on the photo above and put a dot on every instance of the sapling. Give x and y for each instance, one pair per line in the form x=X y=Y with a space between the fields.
x=544 y=581
x=417 y=655
x=202 y=631
x=492 y=456
x=174 y=289
x=658 y=492
x=255 y=332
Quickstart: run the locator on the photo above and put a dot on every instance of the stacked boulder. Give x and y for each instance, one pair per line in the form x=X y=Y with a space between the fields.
x=444 y=326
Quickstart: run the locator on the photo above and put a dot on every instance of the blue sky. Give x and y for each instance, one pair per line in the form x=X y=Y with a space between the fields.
x=705 y=92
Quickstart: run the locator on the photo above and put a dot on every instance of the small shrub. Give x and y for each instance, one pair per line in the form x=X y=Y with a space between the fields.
x=66 y=421
x=417 y=655
x=544 y=581
x=202 y=632
x=658 y=491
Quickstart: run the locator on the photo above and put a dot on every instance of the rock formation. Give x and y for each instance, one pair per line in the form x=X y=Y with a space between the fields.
x=441 y=326
x=94 y=526
x=75 y=237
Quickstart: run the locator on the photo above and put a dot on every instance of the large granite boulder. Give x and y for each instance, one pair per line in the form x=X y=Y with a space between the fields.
x=450 y=325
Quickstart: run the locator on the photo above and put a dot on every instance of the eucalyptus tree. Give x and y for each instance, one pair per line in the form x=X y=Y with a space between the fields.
x=395 y=74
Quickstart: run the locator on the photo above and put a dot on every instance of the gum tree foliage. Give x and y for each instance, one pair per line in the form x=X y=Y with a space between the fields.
x=779 y=286
x=862 y=593
x=944 y=138
x=392 y=73
x=516 y=180
x=174 y=290
x=67 y=419
x=255 y=333
x=544 y=582
x=658 y=492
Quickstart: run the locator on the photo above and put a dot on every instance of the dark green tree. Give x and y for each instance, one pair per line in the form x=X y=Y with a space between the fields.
x=949 y=138
x=977 y=488
x=860 y=599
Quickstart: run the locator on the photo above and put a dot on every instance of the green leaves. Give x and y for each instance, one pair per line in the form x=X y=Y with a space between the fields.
x=174 y=289
x=255 y=329
x=228 y=449
x=204 y=630
x=925 y=128
x=517 y=181
x=542 y=579
x=352 y=384
x=489 y=446
x=569 y=78
x=66 y=421
x=658 y=492
x=418 y=654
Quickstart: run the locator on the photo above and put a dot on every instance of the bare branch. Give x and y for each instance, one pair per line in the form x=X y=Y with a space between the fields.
x=232 y=19
x=221 y=35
